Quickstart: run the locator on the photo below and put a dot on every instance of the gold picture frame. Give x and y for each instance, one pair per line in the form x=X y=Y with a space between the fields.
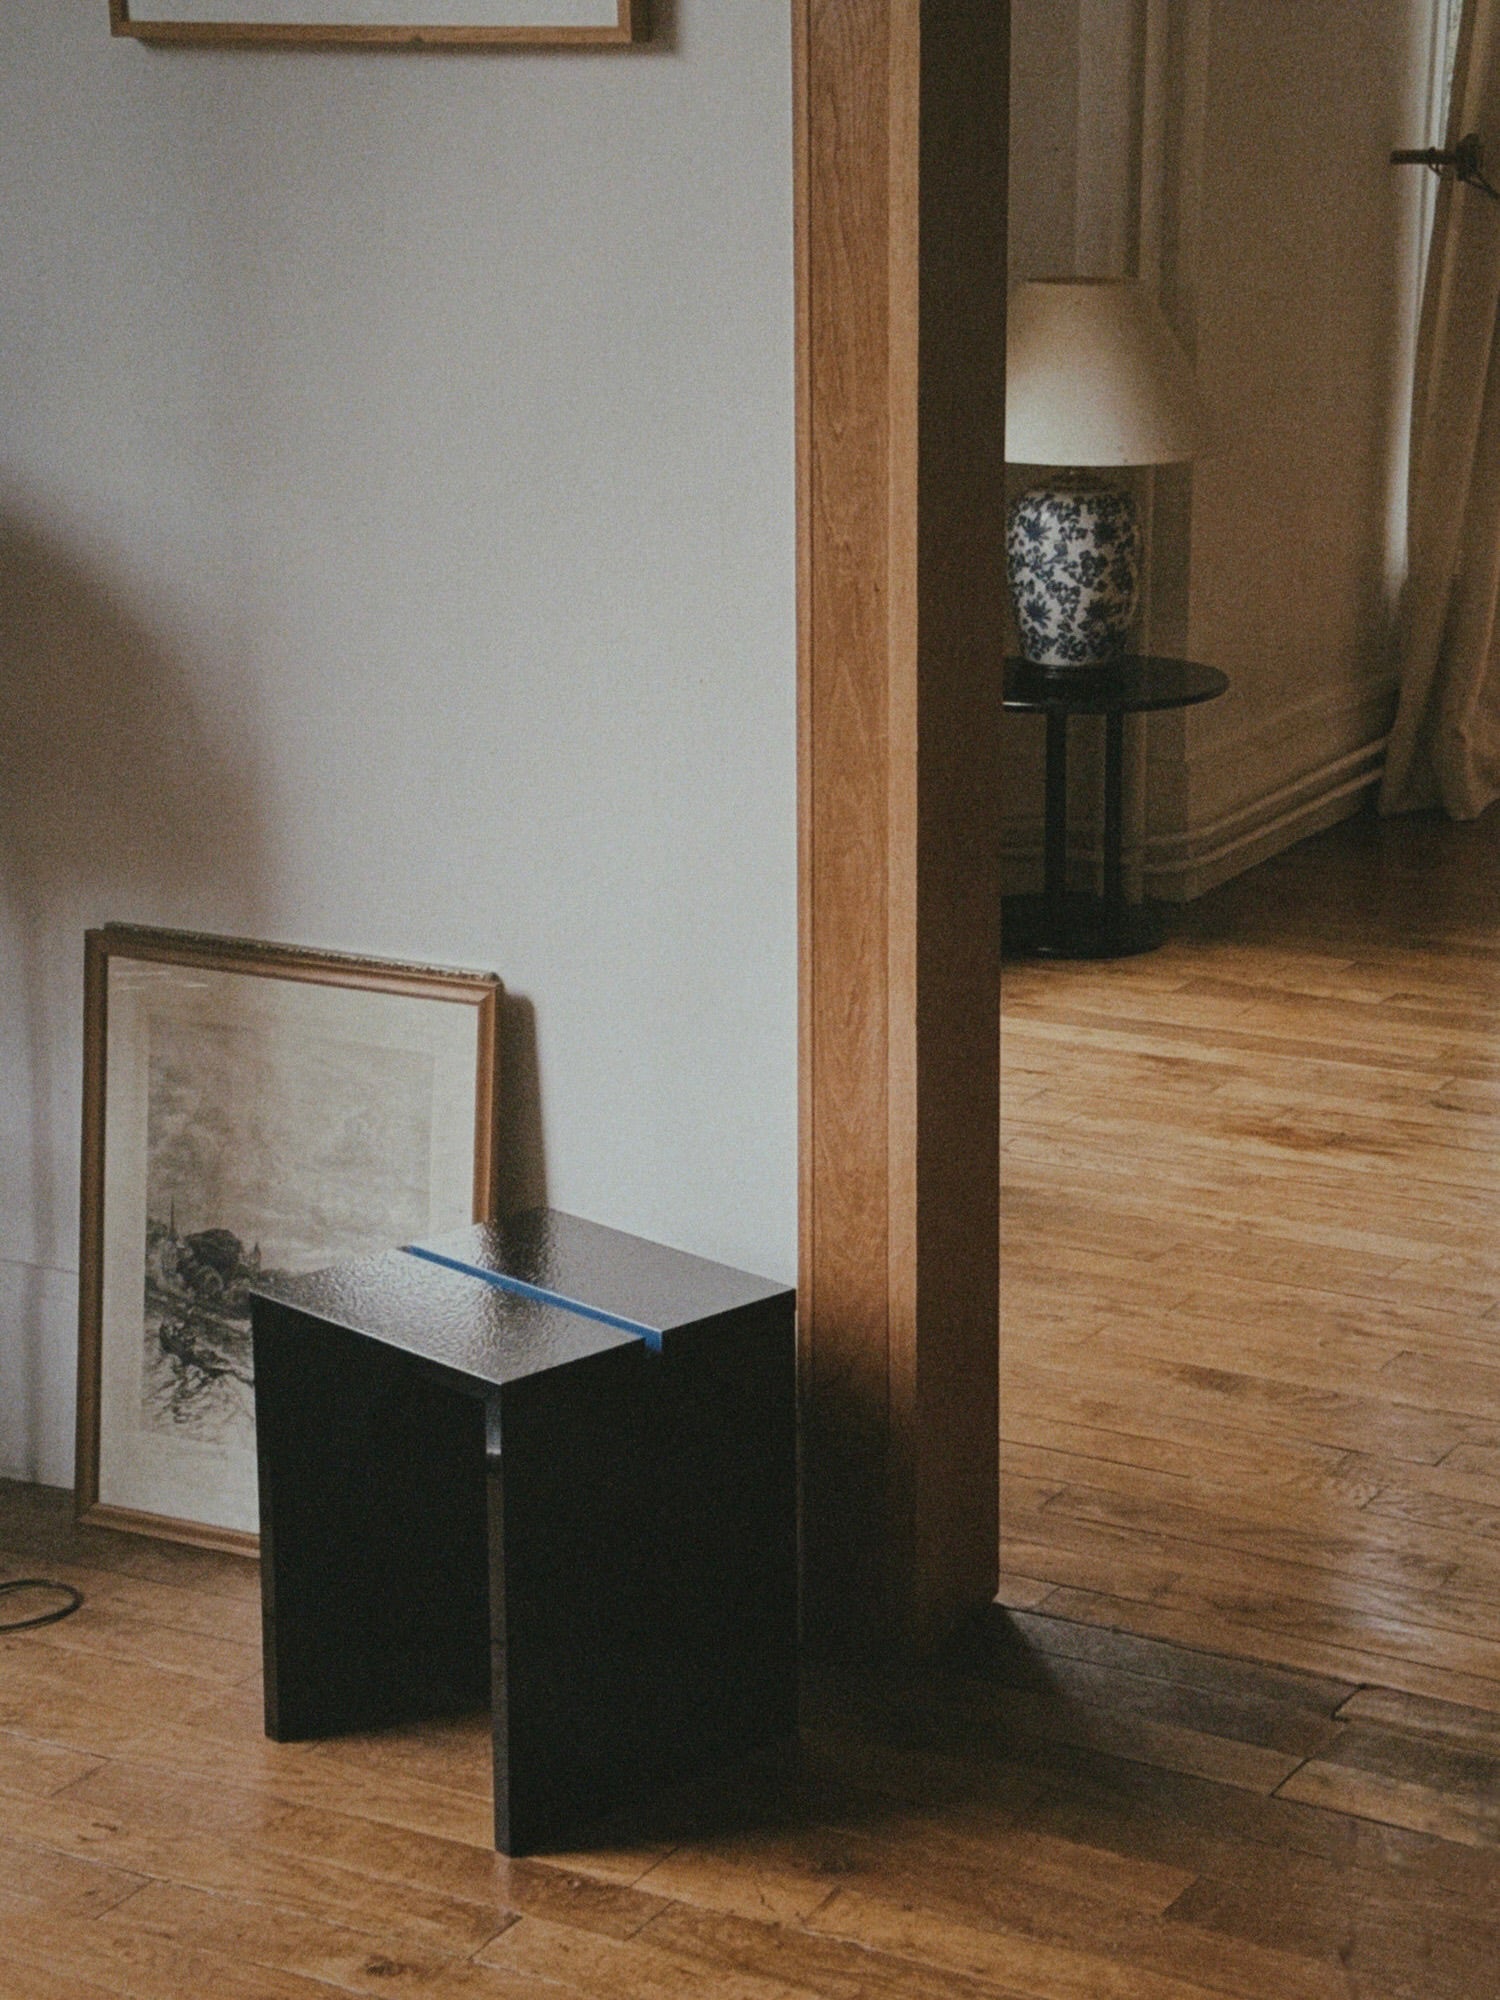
x=248 y=1107
x=453 y=24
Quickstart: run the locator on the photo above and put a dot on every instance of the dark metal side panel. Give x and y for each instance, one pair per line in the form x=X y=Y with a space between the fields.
x=573 y=1600
x=373 y=1554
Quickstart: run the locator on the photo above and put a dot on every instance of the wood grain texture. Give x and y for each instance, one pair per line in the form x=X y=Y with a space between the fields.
x=1251 y=1318
x=843 y=313
x=901 y=156
x=1061 y=1813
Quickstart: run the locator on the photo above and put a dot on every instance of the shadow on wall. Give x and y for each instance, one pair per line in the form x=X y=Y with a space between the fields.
x=124 y=797
x=520 y=1143
x=119 y=799
x=112 y=782
x=664 y=27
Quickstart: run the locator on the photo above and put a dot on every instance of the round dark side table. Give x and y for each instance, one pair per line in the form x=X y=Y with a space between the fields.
x=1057 y=923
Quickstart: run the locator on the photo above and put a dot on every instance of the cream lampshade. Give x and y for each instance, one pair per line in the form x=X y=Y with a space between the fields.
x=1094 y=377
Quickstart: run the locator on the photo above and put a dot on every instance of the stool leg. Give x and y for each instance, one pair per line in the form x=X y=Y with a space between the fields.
x=374 y=1560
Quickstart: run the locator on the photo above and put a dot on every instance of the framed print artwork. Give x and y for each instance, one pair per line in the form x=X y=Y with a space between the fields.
x=248 y=1109
x=392 y=23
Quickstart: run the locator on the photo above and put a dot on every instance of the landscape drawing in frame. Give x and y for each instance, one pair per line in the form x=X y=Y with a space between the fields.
x=388 y=23
x=249 y=1109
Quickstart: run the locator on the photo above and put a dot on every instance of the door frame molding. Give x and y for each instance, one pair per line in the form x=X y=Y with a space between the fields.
x=900 y=114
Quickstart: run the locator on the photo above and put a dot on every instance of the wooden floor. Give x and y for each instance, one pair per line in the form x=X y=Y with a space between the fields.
x=1238 y=1735
x=1251 y=1229
x=1065 y=1814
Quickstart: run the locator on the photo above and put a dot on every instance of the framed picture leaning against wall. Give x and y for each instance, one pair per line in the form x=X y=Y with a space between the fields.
x=248 y=1108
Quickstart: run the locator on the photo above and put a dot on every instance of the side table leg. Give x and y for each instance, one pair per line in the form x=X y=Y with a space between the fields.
x=1114 y=815
x=1124 y=927
x=1055 y=836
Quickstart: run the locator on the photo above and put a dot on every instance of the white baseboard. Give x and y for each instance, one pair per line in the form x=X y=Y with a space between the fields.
x=1180 y=866
x=38 y=1345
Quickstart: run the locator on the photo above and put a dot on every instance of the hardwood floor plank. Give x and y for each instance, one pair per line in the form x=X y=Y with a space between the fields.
x=969 y=1854
x=1290 y=1467
x=364 y=1846
x=1197 y=1624
x=1443 y=1721
x=358 y=1845
x=282 y=1942
x=62 y=1882
x=1379 y=1951
x=1454 y=1380
x=33 y=1769
x=39 y=1523
x=1311 y=1262
x=147 y=1968
x=452 y=1751
x=1413 y=1618
x=172 y=1605
x=1476 y=1462
x=293 y=1773
x=716 y=1947
x=238 y=1865
x=1397 y=1802
x=1273 y=1846
x=1174 y=1746
x=1178 y=1666
x=1241 y=1402
x=1337 y=1535
x=1387 y=1637
x=1022 y=1591
x=772 y=1879
x=612 y=1969
x=1292 y=1727
x=1433 y=1507
x=103 y=1626
x=1128 y=1963
x=1461 y=1778
x=35 y=1982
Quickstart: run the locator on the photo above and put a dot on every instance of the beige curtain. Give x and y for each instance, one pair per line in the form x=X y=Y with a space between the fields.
x=1445 y=747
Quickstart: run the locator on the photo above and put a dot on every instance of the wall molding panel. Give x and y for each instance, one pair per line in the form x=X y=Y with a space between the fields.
x=1182 y=866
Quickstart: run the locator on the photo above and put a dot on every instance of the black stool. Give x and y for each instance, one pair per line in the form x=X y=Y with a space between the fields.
x=543 y=1465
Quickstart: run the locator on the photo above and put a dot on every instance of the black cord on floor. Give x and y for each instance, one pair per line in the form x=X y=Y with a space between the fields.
x=74 y=1597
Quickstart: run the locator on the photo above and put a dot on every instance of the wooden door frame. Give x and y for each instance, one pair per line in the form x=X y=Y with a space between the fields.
x=900 y=125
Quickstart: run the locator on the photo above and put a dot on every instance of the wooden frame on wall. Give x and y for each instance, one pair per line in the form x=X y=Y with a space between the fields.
x=452 y=24
x=248 y=1109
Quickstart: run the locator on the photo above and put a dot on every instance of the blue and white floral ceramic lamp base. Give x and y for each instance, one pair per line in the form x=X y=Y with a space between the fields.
x=1074 y=550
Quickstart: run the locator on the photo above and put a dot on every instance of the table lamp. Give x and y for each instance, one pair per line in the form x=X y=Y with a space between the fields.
x=1093 y=377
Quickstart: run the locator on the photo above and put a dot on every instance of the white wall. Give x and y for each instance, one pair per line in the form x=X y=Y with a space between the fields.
x=1234 y=153
x=397 y=555
x=1304 y=300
